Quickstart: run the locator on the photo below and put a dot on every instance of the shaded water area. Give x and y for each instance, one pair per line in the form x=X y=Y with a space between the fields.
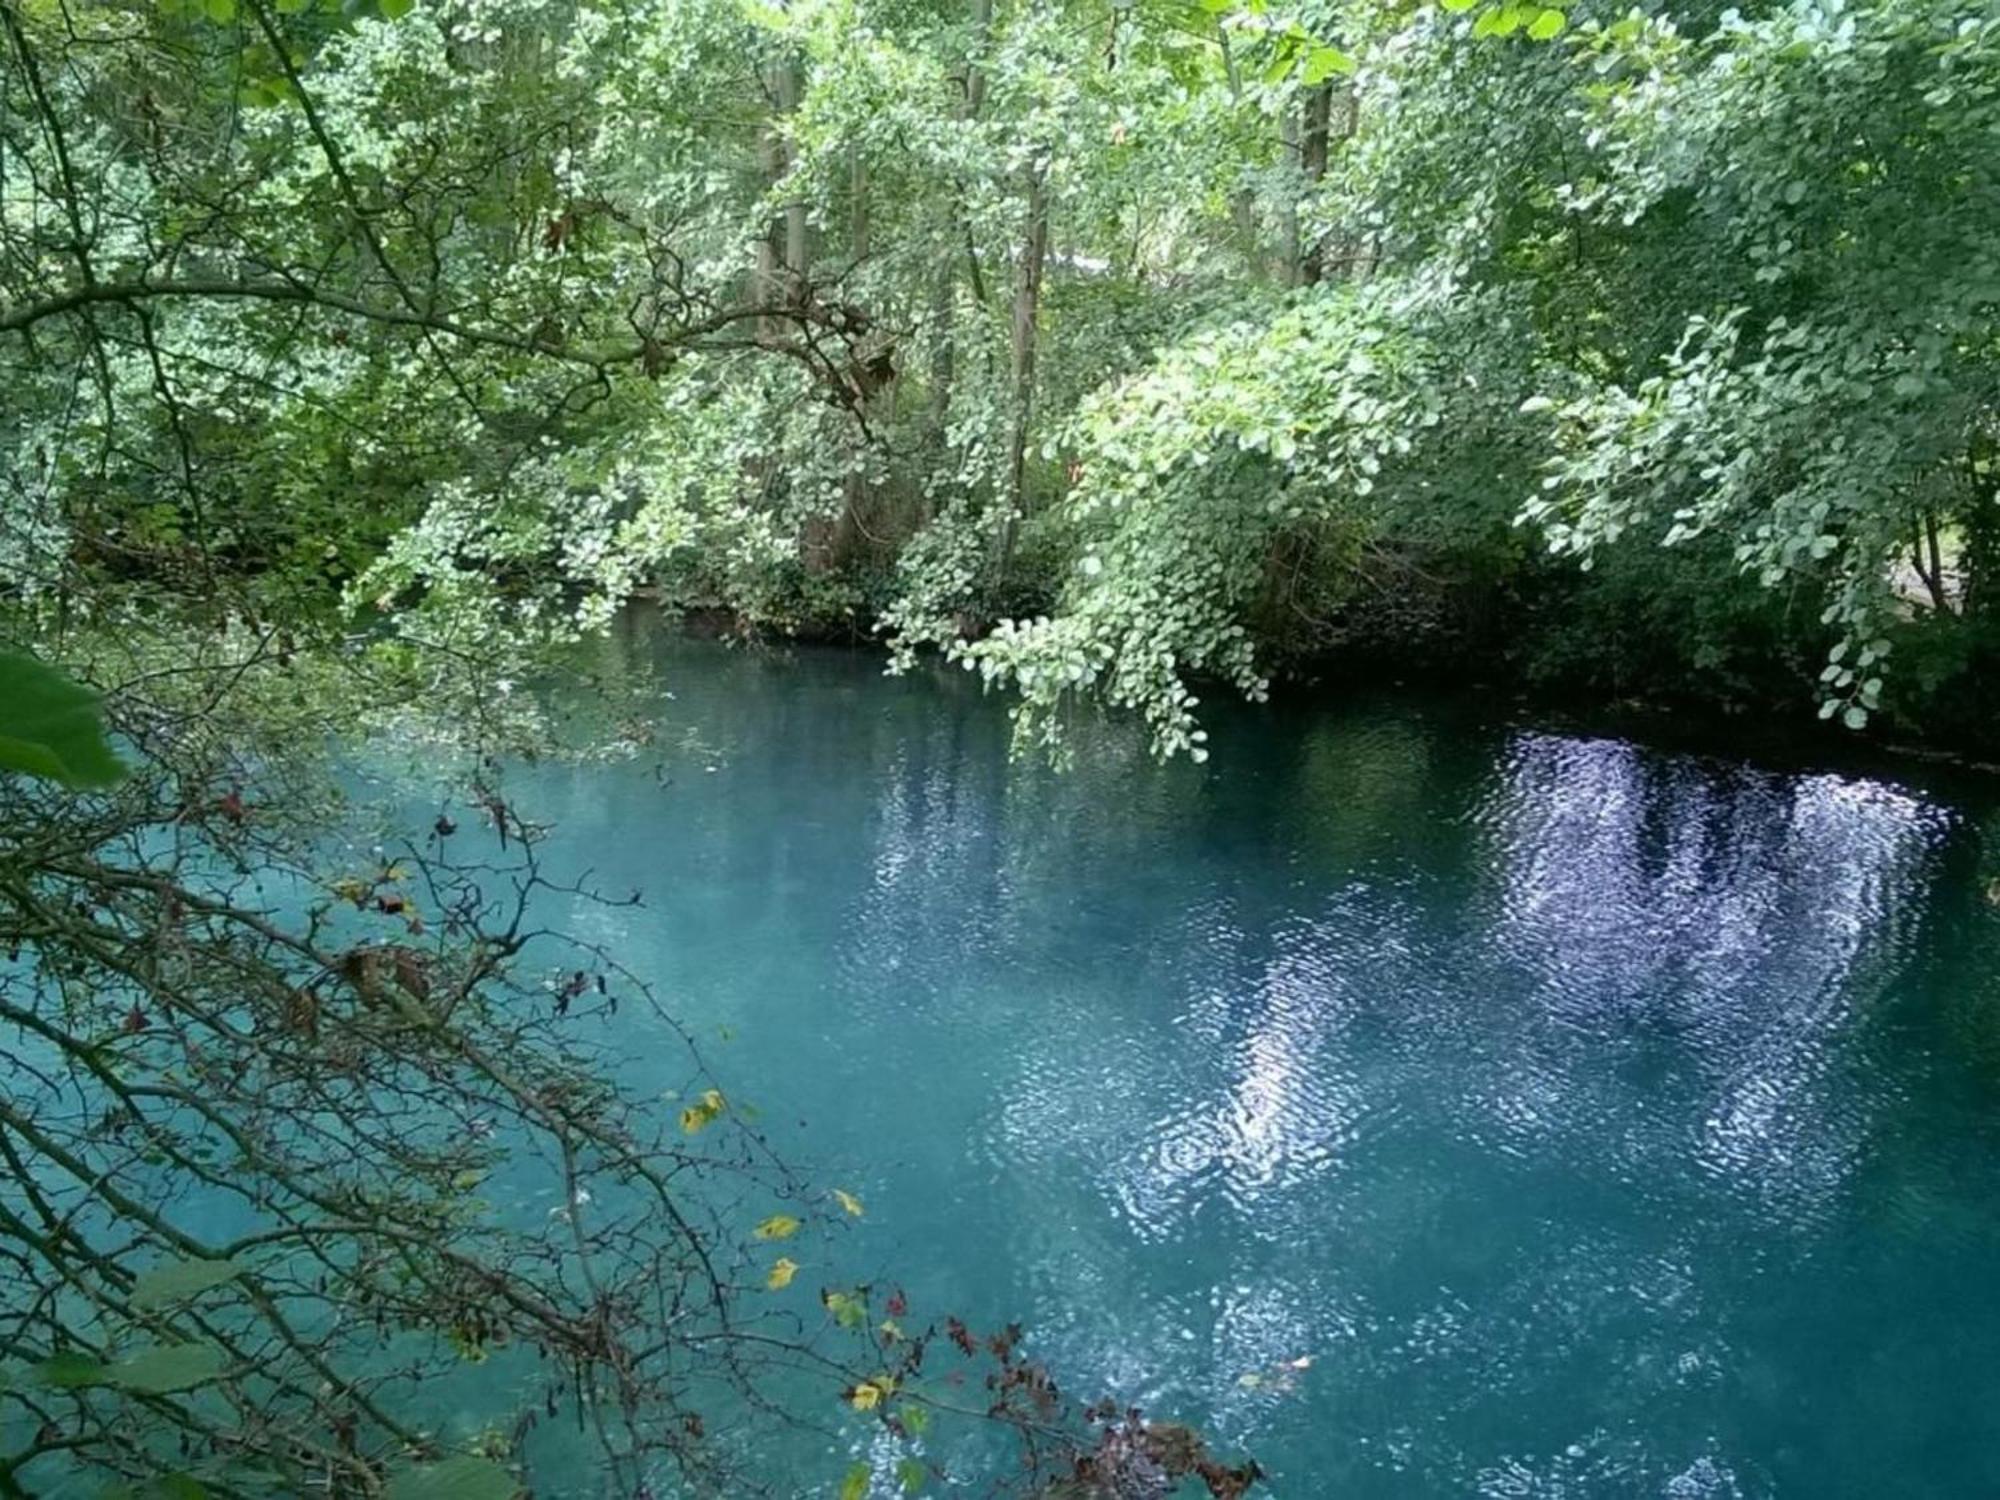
x=1595 y=1121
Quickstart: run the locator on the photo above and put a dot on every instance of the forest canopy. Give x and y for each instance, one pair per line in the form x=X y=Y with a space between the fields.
x=1109 y=348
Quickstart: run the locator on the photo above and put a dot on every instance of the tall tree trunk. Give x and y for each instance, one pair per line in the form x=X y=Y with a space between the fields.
x=1028 y=267
x=798 y=249
x=783 y=250
x=975 y=73
x=944 y=299
x=857 y=219
x=1288 y=215
x=1314 y=136
x=771 y=163
x=1980 y=524
x=855 y=493
x=1243 y=200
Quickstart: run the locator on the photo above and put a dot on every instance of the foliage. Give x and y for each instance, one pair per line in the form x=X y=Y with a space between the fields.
x=52 y=727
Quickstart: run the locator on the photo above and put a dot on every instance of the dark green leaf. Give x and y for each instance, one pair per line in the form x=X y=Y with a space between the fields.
x=52 y=727
x=68 y=1371
x=461 y=1478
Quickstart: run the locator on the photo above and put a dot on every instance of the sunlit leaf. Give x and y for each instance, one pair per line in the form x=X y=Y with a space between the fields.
x=1322 y=62
x=704 y=1111
x=1548 y=24
x=777 y=1227
x=783 y=1269
x=848 y=1201
x=847 y=1309
x=870 y=1394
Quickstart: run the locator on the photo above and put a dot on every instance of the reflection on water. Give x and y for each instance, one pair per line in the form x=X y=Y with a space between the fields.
x=1732 y=915
x=1431 y=1107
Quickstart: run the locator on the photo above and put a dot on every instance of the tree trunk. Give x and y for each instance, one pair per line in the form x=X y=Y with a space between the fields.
x=1028 y=267
x=1314 y=136
x=1288 y=215
x=944 y=300
x=1979 y=563
x=798 y=250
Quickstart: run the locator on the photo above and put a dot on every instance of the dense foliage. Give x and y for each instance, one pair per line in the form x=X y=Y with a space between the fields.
x=1107 y=346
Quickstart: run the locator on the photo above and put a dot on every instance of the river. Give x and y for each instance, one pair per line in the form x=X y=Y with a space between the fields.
x=1424 y=1102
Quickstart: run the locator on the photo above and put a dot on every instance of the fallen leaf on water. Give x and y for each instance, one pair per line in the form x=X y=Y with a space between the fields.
x=703 y=1111
x=868 y=1395
x=782 y=1271
x=777 y=1227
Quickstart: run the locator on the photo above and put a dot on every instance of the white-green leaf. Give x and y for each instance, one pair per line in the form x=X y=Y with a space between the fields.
x=179 y=1279
x=166 y=1367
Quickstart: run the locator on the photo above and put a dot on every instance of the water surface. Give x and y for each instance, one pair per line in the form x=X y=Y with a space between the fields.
x=1595 y=1121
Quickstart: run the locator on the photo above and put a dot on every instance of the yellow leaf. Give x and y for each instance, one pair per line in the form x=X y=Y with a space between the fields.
x=782 y=1272
x=702 y=1112
x=777 y=1227
x=868 y=1395
x=848 y=1201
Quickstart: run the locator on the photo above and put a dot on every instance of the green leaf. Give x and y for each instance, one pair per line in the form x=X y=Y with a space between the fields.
x=68 y=1371
x=1548 y=24
x=166 y=1367
x=52 y=727
x=395 y=10
x=1322 y=62
x=178 y=1279
x=461 y=1478
x=222 y=12
x=1458 y=7
x=855 y=1484
x=912 y=1474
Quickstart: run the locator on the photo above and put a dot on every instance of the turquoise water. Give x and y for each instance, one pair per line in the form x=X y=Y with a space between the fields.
x=1594 y=1121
